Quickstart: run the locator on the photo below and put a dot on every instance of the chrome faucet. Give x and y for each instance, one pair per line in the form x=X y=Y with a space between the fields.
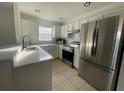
x=23 y=41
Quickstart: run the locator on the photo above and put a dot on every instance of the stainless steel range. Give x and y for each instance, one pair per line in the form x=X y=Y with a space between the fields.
x=68 y=55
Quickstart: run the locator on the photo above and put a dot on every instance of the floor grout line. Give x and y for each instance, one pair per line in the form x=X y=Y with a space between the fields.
x=66 y=78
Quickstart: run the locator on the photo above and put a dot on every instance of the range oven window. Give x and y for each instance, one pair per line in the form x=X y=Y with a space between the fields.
x=68 y=56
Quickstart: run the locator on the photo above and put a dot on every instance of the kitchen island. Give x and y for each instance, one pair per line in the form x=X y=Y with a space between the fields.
x=33 y=69
x=6 y=66
x=29 y=69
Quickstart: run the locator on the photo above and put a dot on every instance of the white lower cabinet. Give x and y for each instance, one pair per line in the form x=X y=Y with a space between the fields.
x=60 y=51
x=76 y=57
x=52 y=50
x=55 y=51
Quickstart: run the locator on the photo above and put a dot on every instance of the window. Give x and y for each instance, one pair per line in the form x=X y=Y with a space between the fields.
x=45 y=33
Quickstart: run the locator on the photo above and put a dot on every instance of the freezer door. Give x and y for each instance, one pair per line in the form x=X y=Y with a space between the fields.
x=100 y=78
x=106 y=38
x=87 y=37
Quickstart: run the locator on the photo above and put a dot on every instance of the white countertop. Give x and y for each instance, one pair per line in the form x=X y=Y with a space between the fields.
x=8 y=52
x=46 y=45
x=24 y=57
x=74 y=45
x=29 y=57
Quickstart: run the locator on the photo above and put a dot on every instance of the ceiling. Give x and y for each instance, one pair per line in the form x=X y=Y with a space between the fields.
x=52 y=11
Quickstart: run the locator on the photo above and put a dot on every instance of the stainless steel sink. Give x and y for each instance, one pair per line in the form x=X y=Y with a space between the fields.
x=32 y=48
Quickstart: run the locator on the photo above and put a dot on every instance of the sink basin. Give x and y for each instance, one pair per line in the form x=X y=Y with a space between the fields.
x=22 y=53
x=32 y=48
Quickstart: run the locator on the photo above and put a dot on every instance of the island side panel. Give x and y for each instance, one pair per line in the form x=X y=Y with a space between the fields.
x=6 y=75
x=34 y=77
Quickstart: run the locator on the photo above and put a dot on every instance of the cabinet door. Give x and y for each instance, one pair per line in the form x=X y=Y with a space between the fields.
x=62 y=31
x=76 y=57
x=76 y=25
x=60 y=51
x=56 y=31
x=70 y=26
x=83 y=21
x=29 y=27
x=66 y=29
x=52 y=50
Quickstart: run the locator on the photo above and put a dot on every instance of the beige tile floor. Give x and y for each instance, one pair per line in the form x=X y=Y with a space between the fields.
x=65 y=78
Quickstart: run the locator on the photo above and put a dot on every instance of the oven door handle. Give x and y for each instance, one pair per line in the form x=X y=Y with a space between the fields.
x=68 y=50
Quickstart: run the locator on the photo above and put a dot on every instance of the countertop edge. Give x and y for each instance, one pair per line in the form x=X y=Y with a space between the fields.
x=24 y=65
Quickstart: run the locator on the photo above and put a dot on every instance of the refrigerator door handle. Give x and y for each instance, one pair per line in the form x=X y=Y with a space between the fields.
x=96 y=42
x=93 y=40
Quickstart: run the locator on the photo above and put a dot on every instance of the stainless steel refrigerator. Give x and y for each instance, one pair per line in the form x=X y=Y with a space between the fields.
x=120 y=85
x=100 y=52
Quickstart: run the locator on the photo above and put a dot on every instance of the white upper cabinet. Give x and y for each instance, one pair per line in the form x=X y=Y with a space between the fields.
x=76 y=25
x=70 y=26
x=94 y=18
x=85 y=20
x=66 y=28
x=90 y=19
x=64 y=31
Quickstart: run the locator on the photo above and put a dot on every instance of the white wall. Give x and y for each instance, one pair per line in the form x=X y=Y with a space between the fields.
x=38 y=20
x=30 y=25
x=17 y=23
x=111 y=10
x=114 y=9
x=7 y=25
